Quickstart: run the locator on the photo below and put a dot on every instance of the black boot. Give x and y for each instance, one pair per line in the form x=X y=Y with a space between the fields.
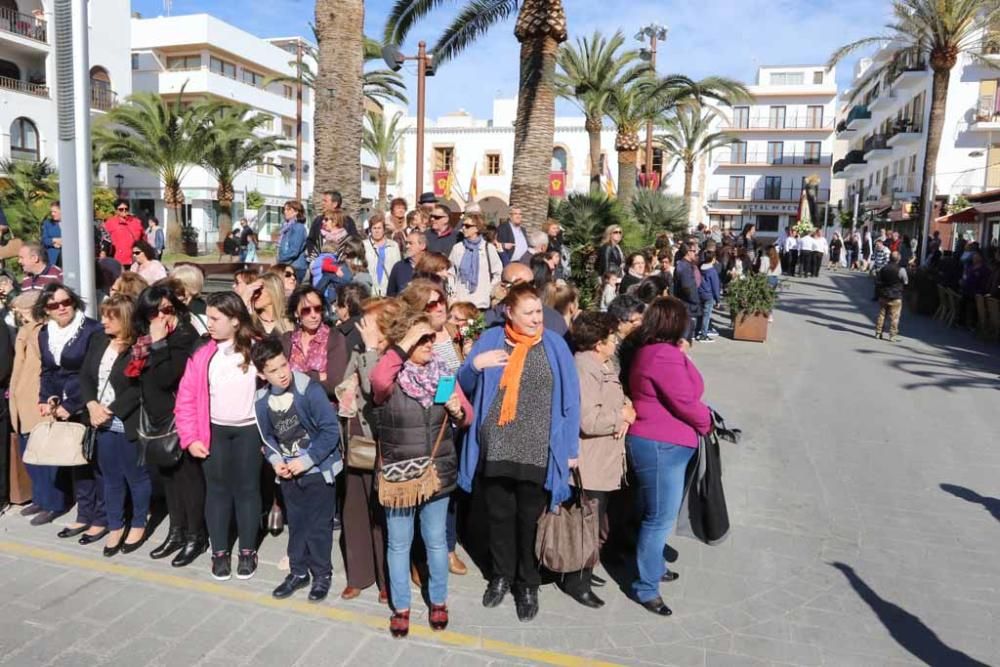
x=175 y=540
x=195 y=546
x=526 y=602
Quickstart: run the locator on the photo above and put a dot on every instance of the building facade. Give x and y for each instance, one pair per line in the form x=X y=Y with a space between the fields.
x=28 y=114
x=782 y=140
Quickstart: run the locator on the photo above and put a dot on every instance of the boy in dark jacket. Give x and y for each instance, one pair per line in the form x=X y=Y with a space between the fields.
x=301 y=434
x=709 y=293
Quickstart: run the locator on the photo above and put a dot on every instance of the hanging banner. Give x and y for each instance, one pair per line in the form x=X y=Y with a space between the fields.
x=442 y=183
x=557 y=183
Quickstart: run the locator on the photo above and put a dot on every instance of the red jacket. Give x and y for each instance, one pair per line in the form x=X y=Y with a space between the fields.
x=124 y=232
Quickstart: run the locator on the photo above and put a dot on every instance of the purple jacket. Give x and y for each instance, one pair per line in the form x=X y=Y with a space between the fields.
x=666 y=391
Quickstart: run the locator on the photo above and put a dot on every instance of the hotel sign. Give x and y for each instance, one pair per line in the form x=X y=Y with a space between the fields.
x=767 y=207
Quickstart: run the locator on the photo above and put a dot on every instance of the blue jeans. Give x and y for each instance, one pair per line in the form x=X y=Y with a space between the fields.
x=705 y=321
x=659 y=470
x=433 y=517
x=118 y=458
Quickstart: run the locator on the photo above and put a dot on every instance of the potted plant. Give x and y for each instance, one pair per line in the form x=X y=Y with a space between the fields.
x=189 y=238
x=750 y=302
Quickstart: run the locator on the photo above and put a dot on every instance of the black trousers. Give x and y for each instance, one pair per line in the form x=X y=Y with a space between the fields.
x=5 y=429
x=578 y=583
x=309 y=506
x=513 y=509
x=817 y=262
x=184 y=488
x=793 y=262
x=232 y=481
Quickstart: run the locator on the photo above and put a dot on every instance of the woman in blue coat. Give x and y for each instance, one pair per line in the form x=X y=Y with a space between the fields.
x=523 y=441
x=292 y=239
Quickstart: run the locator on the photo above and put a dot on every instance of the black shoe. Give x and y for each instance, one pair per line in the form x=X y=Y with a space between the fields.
x=109 y=552
x=597 y=581
x=247 y=564
x=222 y=566
x=129 y=547
x=86 y=539
x=588 y=599
x=669 y=576
x=175 y=541
x=31 y=510
x=657 y=607
x=496 y=590
x=72 y=532
x=320 y=588
x=43 y=518
x=194 y=547
x=292 y=583
x=526 y=603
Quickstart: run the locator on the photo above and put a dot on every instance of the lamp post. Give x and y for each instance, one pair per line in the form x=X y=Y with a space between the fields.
x=425 y=68
x=298 y=119
x=119 y=179
x=654 y=33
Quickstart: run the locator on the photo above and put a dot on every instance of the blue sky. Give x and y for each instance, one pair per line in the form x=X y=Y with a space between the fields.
x=725 y=37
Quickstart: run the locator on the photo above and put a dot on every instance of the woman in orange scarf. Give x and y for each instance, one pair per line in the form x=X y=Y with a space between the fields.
x=525 y=439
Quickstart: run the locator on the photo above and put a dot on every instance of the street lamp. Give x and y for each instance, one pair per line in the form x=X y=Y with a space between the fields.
x=654 y=33
x=425 y=67
x=119 y=179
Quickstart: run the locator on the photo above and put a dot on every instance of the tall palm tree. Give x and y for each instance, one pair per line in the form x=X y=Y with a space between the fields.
x=162 y=136
x=590 y=72
x=936 y=32
x=235 y=146
x=381 y=139
x=338 y=115
x=688 y=136
x=540 y=28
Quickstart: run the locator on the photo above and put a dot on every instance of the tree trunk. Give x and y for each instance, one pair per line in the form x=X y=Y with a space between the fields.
x=534 y=130
x=383 y=180
x=626 y=176
x=225 y=219
x=935 y=127
x=339 y=101
x=688 y=178
x=593 y=127
x=173 y=232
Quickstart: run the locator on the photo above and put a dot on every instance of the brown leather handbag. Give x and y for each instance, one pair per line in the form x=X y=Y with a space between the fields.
x=568 y=539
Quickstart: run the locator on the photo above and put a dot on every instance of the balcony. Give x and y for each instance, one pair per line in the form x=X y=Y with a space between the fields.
x=990 y=46
x=765 y=159
x=849 y=164
x=102 y=98
x=36 y=89
x=907 y=73
x=986 y=116
x=838 y=168
x=24 y=25
x=766 y=194
x=904 y=186
x=807 y=122
x=858 y=117
x=903 y=133
x=883 y=101
x=875 y=148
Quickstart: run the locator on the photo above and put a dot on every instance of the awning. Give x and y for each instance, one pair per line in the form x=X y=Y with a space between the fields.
x=970 y=214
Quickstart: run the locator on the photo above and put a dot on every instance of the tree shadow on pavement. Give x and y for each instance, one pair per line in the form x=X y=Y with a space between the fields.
x=991 y=505
x=960 y=372
x=908 y=630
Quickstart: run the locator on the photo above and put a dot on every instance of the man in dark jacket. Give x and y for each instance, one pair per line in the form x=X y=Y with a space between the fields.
x=890 y=281
x=441 y=237
x=512 y=237
x=402 y=272
x=686 y=282
x=332 y=201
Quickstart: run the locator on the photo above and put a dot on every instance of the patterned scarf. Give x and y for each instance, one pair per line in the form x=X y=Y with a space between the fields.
x=421 y=382
x=510 y=381
x=468 y=268
x=140 y=352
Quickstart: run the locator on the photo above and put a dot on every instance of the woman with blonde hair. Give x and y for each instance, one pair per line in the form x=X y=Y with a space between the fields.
x=610 y=258
x=287 y=275
x=189 y=281
x=128 y=284
x=564 y=299
x=268 y=305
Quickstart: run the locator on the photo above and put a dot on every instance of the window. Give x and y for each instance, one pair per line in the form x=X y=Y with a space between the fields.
x=812 y=152
x=776 y=117
x=287 y=131
x=738 y=152
x=772 y=187
x=135 y=61
x=493 y=164
x=254 y=79
x=814 y=116
x=222 y=67
x=787 y=78
x=183 y=62
x=741 y=117
x=24 y=144
x=444 y=158
x=736 y=187
x=818 y=76
x=288 y=91
x=767 y=223
x=913 y=164
x=775 y=152
x=559 y=159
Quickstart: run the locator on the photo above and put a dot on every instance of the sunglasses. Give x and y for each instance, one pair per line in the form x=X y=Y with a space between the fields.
x=468 y=225
x=439 y=217
x=433 y=305
x=310 y=310
x=123 y=208
x=167 y=310
x=136 y=253
x=617 y=231
x=53 y=306
x=289 y=274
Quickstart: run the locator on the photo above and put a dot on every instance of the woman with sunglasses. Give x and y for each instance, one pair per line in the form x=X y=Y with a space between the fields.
x=166 y=339
x=610 y=258
x=476 y=265
x=292 y=239
x=112 y=401
x=144 y=262
x=268 y=305
x=123 y=230
x=381 y=254
x=63 y=342
x=312 y=346
x=287 y=275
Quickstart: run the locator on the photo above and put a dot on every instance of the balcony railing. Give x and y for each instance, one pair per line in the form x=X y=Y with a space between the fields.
x=102 y=98
x=805 y=122
x=858 y=112
x=25 y=25
x=875 y=142
x=903 y=126
x=909 y=63
x=852 y=157
x=8 y=83
x=990 y=46
x=904 y=183
x=766 y=194
x=986 y=111
x=785 y=159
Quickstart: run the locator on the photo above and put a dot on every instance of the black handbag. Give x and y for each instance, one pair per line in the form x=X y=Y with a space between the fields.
x=704 y=514
x=159 y=444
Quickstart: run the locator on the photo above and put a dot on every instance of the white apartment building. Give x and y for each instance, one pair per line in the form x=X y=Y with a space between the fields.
x=28 y=114
x=884 y=123
x=784 y=136
x=208 y=58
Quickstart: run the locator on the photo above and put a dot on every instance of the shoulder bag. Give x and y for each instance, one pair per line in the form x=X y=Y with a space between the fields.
x=360 y=450
x=410 y=482
x=568 y=540
x=159 y=444
x=56 y=443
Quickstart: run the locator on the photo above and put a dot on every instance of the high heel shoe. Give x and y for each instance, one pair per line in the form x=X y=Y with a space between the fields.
x=275 y=520
x=439 y=616
x=399 y=624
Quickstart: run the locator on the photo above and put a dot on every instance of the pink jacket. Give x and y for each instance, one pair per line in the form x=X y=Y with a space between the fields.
x=666 y=393
x=192 y=409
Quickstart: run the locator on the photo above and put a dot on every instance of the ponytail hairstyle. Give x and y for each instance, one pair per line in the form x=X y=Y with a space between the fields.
x=247 y=331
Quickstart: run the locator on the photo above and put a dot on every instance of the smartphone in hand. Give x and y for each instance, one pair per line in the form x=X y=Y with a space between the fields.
x=446 y=387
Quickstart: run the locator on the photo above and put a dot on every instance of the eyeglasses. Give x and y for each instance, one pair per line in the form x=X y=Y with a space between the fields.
x=617 y=231
x=310 y=310
x=507 y=284
x=433 y=305
x=167 y=310
x=53 y=306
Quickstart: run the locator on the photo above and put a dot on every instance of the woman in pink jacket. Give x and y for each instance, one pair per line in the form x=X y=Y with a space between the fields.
x=666 y=391
x=216 y=422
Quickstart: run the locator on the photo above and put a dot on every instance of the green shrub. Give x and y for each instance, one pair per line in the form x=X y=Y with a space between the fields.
x=750 y=296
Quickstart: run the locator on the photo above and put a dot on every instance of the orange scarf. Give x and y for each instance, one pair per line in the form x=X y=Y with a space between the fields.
x=510 y=381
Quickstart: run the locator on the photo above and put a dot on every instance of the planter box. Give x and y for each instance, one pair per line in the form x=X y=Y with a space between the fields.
x=750 y=327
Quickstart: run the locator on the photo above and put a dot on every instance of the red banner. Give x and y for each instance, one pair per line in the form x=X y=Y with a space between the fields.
x=557 y=183
x=441 y=185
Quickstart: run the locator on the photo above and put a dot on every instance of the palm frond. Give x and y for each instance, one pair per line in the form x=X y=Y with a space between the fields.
x=475 y=19
x=404 y=15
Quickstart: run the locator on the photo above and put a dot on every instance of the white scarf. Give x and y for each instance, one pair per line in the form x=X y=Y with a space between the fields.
x=59 y=337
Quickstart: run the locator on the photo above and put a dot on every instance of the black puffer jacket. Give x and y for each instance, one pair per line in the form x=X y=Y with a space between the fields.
x=407 y=430
x=163 y=370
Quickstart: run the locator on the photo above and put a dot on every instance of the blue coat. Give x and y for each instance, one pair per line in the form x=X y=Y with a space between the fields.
x=318 y=418
x=711 y=286
x=63 y=379
x=50 y=232
x=292 y=247
x=564 y=434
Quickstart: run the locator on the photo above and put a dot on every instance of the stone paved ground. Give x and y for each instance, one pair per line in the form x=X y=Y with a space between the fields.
x=865 y=499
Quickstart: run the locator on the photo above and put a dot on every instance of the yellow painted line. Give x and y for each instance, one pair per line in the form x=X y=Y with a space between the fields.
x=456 y=639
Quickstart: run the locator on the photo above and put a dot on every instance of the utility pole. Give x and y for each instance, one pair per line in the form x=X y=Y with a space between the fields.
x=298 y=120
x=425 y=68
x=655 y=33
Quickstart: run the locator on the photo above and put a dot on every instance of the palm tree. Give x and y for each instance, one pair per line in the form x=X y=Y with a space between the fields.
x=28 y=189
x=540 y=28
x=381 y=139
x=339 y=116
x=688 y=136
x=162 y=136
x=235 y=146
x=591 y=71
x=656 y=212
x=936 y=32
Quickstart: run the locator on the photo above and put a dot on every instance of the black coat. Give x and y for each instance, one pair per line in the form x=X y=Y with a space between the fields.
x=126 y=403
x=399 y=277
x=610 y=260
x=163 y=370
x=442 y=244
x=63 y=379
x=314 y=240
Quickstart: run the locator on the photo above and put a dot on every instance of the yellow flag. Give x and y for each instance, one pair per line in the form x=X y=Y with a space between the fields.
x=609 y=183
x=473 y=186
